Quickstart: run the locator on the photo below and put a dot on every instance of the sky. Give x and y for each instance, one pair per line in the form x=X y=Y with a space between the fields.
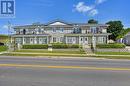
x=43 y=11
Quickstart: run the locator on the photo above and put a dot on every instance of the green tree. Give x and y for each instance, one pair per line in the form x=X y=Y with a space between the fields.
x=115 y=28
x=92 y=21
x=123 y=33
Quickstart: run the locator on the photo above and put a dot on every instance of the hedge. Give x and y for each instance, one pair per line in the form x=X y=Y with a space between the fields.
x=35 y=46
x=3 y=48
x=54 y=46
x=115 y=45
x=64 y=46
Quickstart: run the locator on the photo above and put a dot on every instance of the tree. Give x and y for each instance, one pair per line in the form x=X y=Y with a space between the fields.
x=92 y=21
x=123 y=33
x=115 y=28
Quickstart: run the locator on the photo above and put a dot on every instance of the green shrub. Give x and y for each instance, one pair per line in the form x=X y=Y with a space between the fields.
x=64 y=46
x=59 y=46
x=35 y=46
x=73 y=45
x=3 y=48
x=114 y=45
x=54 y=46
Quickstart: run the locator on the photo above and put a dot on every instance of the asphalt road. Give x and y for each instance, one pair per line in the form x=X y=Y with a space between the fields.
x=63 y=72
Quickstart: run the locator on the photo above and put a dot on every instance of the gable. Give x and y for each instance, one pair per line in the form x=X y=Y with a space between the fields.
x=58 y=23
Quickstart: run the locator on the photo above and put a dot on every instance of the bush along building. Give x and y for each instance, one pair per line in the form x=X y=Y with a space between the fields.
x=59 y=31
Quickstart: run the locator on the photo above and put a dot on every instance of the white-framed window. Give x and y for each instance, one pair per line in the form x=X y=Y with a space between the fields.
x=100 y=39
x=61 y=39
x=18 y=40
x=54 y=30
x=42 y=30
x=31 y=40
x=62 y=29
x=54 y=39
x=37 y=30
x=69 y=40
x=93 y=29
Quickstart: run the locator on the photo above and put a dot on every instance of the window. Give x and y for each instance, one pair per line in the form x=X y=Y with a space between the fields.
x=69 y=40
x=100 y=39
x=18 y=40
x=54 y=29
x=81 y=39
x=42 y=30
x=93 y=30
x=62 y=29
x=54 y=39
x=61 y=39
x=86 y=39
x=24 y=31
x=37 y=30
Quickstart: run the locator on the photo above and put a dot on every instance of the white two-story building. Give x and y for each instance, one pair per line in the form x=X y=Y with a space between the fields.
x=60 y=32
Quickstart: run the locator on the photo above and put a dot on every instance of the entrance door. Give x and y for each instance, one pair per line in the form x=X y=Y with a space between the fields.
x=40 y=40
x=31 y=40
x=84 y=40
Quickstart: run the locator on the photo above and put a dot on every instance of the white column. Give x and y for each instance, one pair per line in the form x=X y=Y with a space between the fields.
x=79 y=39
x=47 y=39
x=51 y=39
x=23 y=40
x=107 y=39
x=11 y=40
x=66 y=40
x=35 y=40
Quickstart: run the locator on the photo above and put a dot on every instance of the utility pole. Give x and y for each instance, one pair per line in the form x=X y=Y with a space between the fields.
x=93 y=42
x=9 y=39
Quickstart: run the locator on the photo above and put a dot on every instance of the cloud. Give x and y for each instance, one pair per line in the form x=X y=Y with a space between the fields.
x=81 y=7
x=90 y=10
x=5 y=26
x=93 y=12
x=100 y=1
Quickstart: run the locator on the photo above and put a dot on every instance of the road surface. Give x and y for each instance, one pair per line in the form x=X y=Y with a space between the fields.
x=15 y=71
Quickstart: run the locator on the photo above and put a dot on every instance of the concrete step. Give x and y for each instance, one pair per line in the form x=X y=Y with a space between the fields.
x=88 y=49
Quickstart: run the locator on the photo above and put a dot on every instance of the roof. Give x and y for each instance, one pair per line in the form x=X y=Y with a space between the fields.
x=58 y=22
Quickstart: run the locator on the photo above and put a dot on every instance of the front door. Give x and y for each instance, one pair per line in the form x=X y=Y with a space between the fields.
x=31 y=40
x=84 y=40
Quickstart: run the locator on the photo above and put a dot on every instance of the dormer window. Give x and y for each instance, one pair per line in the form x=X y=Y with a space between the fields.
x=42 y=30
x=24 y=31
x=93 y=29
x=62 y=29
x=37 y=30
x=54 y=29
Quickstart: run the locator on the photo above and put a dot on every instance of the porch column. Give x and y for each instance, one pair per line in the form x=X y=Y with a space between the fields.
x=66 y=40
x=79 y=40
x=107 y=39
x=47 y=39
x=23 y=40
x=11 y=40
x=51 y=39
x=35 y=40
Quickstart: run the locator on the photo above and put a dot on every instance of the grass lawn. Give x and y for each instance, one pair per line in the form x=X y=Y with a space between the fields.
x=112 y=53
x=114 y=57
x=55 y=52
x=73 y=51
x=120 y=55
x=3 y=48
x=66 y=55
